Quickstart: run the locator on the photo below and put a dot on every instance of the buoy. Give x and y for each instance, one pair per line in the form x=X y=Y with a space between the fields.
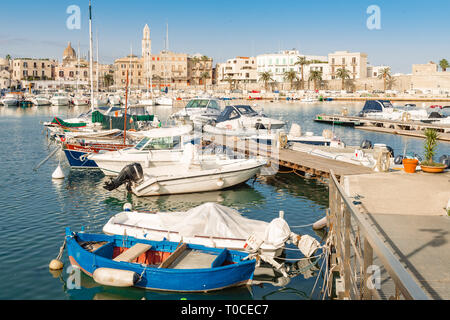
x=58 y=173
x=128 y=207
x=56 y=265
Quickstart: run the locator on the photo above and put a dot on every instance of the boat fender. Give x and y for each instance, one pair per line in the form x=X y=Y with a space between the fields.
x=220 y=183
x=308 y=245
x=115 y=277
x=322 y=223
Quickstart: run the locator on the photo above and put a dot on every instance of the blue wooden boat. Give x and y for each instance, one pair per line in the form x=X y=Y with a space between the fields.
x=124 y=261
x=79 y=160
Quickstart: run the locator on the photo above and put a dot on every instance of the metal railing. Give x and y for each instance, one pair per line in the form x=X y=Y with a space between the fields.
x=367 y=268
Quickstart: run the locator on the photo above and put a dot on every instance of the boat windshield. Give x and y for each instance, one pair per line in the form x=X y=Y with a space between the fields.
x=246 y=111
x=164 y=143
x=195 y=104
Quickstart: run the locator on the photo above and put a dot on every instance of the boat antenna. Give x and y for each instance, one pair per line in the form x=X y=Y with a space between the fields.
x=90 y=56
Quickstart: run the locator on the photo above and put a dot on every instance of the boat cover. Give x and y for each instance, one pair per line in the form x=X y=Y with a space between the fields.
x=212 y=219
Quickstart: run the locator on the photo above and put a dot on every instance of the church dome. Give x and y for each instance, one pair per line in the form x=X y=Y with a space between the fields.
x=69 y=52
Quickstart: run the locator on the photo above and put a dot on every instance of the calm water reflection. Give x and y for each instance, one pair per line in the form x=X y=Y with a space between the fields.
x=36 y=210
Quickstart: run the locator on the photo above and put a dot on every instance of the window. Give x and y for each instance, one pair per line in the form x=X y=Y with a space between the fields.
x=35 y=65
x=61 y=74
x=25 y=65
x=159 y=143
x=343 y=60
x=214 y=105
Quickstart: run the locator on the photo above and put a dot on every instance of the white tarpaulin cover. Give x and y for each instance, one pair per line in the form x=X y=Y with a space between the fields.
x=213 y=220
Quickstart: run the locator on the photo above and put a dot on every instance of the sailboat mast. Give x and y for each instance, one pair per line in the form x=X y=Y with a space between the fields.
x=90 y=56
x=98 y=75
x=78 y=66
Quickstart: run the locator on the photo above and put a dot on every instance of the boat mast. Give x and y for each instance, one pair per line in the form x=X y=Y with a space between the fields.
x=78 y=67
x=90 y=56
x=98 y=75
x=126 y=101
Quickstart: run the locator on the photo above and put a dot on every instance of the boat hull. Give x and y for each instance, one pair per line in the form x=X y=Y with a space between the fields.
x=195 y=182
x=160 y=279
x=78 y=160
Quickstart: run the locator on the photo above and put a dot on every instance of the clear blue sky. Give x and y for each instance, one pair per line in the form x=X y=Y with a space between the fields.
x=411 y=31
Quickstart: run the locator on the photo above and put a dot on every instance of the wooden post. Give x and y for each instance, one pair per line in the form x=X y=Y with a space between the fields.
x=368 y=261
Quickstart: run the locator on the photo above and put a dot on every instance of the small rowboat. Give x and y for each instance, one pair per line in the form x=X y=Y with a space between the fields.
x=123 y=261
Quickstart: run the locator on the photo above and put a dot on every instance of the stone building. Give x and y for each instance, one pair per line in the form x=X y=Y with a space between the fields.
x=33 y=69
x=355 y=62
x=240 y=70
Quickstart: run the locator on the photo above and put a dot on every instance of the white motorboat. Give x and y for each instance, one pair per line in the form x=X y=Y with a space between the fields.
x=131 y=100
x=199 y=110
x=81 y=100
x=309 y=99
x=164 y=101
x=147 y=100
x=188 y=175
x=60 y=99
x=383 y=109
x=244 y=117
x=11 y=100
x=41 y=100
x=210 y=224
x=159 y=147
x=114 y=100
x=100 y=101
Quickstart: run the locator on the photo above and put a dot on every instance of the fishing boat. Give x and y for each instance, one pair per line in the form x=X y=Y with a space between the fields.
x=124 y=261
x=157 y=147
x=187 y=175
x=210 y=224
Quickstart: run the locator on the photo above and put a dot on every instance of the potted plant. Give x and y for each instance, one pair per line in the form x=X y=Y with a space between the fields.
x=428 y=165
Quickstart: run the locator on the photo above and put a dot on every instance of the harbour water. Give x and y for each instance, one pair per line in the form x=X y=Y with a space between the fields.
x=36 y=210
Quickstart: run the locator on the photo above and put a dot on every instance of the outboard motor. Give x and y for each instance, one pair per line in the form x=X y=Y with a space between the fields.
x=129 y=174
x=366 y=144
x=445 y=159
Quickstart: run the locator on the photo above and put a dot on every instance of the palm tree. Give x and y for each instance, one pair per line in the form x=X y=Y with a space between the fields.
x=444 y=64
x=385 y=74
x=315 y=76
x=195 y=61
x=8 y=57
x=108 y=79
x=290 y=76
x=343 y=74
x=203 y=77
x=390 y=83
x=265 y=77
x=205 y=61
x=302 y=62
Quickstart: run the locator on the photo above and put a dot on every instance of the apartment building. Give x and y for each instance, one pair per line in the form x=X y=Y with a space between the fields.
x=239 y=70
x=354 y=62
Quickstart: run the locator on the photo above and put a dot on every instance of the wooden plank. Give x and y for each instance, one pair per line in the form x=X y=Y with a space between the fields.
x=133 y=253
x=173 y=257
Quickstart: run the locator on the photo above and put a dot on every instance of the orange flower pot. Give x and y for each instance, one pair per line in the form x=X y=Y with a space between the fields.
x=410 y=165
x=431 y=169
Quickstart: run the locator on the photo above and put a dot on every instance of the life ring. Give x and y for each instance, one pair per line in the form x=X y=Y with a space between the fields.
x=283 y=141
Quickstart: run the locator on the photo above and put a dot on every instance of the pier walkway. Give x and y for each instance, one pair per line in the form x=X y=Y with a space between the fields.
x=407 y=128
x=295 y=160
x=408 y=213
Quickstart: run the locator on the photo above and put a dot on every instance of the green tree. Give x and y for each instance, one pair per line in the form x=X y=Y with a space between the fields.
x=108 y=79
x=265 y=77
x=385 y=74
x=431 y=137
x=343 y=74
x=8 y=57
x=315 y=76
x=444 y=65
x=302 y=62
x=290 y=76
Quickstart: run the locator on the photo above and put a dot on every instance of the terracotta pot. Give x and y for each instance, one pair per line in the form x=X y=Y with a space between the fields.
x=410 y=165
x=431 y=169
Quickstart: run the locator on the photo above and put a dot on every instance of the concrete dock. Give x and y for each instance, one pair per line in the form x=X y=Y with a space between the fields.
x=408 y=212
